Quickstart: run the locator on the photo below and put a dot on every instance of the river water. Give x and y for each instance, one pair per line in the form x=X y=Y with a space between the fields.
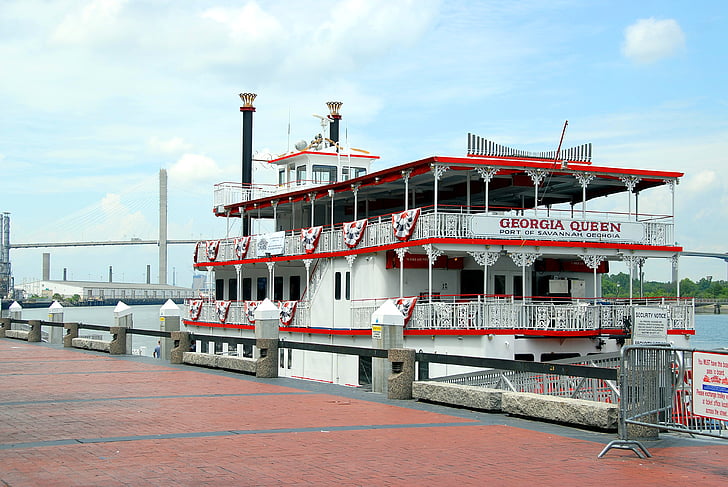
x=711 y=331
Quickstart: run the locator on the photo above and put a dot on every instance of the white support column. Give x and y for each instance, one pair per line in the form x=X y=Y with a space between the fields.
x=406 y=176
x=270 y=265
x=312 y=198
x=632 y=261
x=355 y=190
x=523 y=260
x=630 y=182
x=239 y=274
x=675 y=259
x=438 y=171
x=592 y=262
x=584 y=178
x=537 y=176
x=432 y=255
x=331 y=195
x=274 y=204
x=400 y=254
x=486 y=259
x=487 y=173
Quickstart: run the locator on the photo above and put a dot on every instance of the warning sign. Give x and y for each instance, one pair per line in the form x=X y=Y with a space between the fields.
x=710 y=385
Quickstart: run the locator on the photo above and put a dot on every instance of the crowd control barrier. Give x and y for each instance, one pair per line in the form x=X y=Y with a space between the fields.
x=671 y=389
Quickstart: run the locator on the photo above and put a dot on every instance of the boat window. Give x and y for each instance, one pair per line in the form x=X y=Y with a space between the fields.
x=281 y=177
x=337 y=286
x=348 y=286
x=219 y=288
x=518 y=286
x=278 y=288
x=353 y=172
x=499 y=284
x=324 y=174
x=247 y=291
x=301 y=174
x=294 y=288
x=262 y=289
x=281 y=357
x=528 y=357
x=233 y=289
x=547 y=357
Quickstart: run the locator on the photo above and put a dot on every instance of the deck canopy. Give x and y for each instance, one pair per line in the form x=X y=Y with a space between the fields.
x=462 y=184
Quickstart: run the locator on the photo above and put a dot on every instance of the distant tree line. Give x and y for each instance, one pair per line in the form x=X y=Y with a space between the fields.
x=617 y=286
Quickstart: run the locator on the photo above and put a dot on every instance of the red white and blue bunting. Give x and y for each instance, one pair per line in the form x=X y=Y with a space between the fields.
x=241 y=246
x=404 y=223
x=288 y=310
x=197 y=249
x=222 y=308
x=406 y=306
x=250 y=307
x=310 y=238
x=211 y=247
x=353 y=232
x=195 y=308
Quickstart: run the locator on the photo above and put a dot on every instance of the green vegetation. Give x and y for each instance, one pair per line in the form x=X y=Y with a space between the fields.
x=617 y=285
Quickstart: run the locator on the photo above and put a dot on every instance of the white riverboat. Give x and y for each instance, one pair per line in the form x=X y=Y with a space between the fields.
x=496 y=253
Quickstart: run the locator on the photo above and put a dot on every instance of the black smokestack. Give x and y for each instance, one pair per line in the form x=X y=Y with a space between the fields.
x=335 y=117
x=247 y=111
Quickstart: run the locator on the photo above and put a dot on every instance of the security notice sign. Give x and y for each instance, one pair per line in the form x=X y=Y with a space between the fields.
x=710 y=385
x=650 y=325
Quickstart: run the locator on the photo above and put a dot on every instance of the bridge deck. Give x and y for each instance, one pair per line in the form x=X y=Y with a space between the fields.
x=69 y=417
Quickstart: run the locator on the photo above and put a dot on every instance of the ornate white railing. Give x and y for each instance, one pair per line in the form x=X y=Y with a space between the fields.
x=379 y=232
x=492 y=314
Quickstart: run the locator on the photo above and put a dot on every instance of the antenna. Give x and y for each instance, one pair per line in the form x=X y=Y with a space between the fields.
x=558 y=150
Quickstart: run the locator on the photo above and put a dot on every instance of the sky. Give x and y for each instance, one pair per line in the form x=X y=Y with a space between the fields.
x=96 y=96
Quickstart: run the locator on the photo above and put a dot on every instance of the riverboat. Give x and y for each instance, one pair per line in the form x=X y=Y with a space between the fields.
x=496 y=253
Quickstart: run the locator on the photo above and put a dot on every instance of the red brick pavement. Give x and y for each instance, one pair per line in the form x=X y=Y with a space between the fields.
x=103 y=413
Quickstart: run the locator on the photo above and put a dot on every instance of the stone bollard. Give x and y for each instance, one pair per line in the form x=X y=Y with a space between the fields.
x=168 y=321
x=4 y=325
x=71 y=333
x=182 y=341
x=387 y=333
x=55 y=315
x=34 y=332
x=123 y=318
x=118 y=340
x=267 y=323
x=403 y=373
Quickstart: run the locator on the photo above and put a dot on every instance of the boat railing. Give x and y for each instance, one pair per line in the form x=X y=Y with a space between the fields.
x=491 y=312
x=379 y=232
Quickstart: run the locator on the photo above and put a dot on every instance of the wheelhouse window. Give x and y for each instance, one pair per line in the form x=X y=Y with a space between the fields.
x=324 y=174
x=301 y=175
x=353 y=172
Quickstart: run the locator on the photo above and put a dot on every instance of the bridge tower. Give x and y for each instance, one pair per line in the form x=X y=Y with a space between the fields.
x=6 y=279
x=162 y=226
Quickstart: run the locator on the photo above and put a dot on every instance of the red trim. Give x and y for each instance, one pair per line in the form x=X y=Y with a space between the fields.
x=445 y=240
x=407 y=332
x=317 y=153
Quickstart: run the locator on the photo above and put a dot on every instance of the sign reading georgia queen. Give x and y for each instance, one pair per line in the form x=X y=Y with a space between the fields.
x=555 y=229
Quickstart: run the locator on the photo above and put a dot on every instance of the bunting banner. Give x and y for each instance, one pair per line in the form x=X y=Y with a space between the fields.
x=310 y=238
x=287 y=309
x=211 y=247
x=195 y=308
x=353 y=232
x=197 y=249
x=406 y=306
x=404 y=223
x=250 y=307
x=241 y=246
x=222 y=308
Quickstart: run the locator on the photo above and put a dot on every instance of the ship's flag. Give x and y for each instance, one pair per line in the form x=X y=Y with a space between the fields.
x=211 y=246
x=404 y=223
x=287 y=309
x=195 y=308
x=353 y=232
x=406 y=306
x=310 y=238
x=241 y=247
x=222 y=308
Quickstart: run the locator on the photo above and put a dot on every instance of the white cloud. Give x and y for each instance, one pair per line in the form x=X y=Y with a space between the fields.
x=96 y=20
x=173 y=145
x=649 y=40
x=194 y=170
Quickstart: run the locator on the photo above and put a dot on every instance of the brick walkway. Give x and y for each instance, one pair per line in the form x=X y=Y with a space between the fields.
x=69 y=417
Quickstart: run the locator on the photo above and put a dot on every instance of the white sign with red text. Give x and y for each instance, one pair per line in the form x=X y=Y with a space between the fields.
x=555 y=229
x=710 y=385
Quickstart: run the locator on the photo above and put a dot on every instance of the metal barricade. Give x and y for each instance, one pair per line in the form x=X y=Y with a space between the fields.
x=671 y=389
